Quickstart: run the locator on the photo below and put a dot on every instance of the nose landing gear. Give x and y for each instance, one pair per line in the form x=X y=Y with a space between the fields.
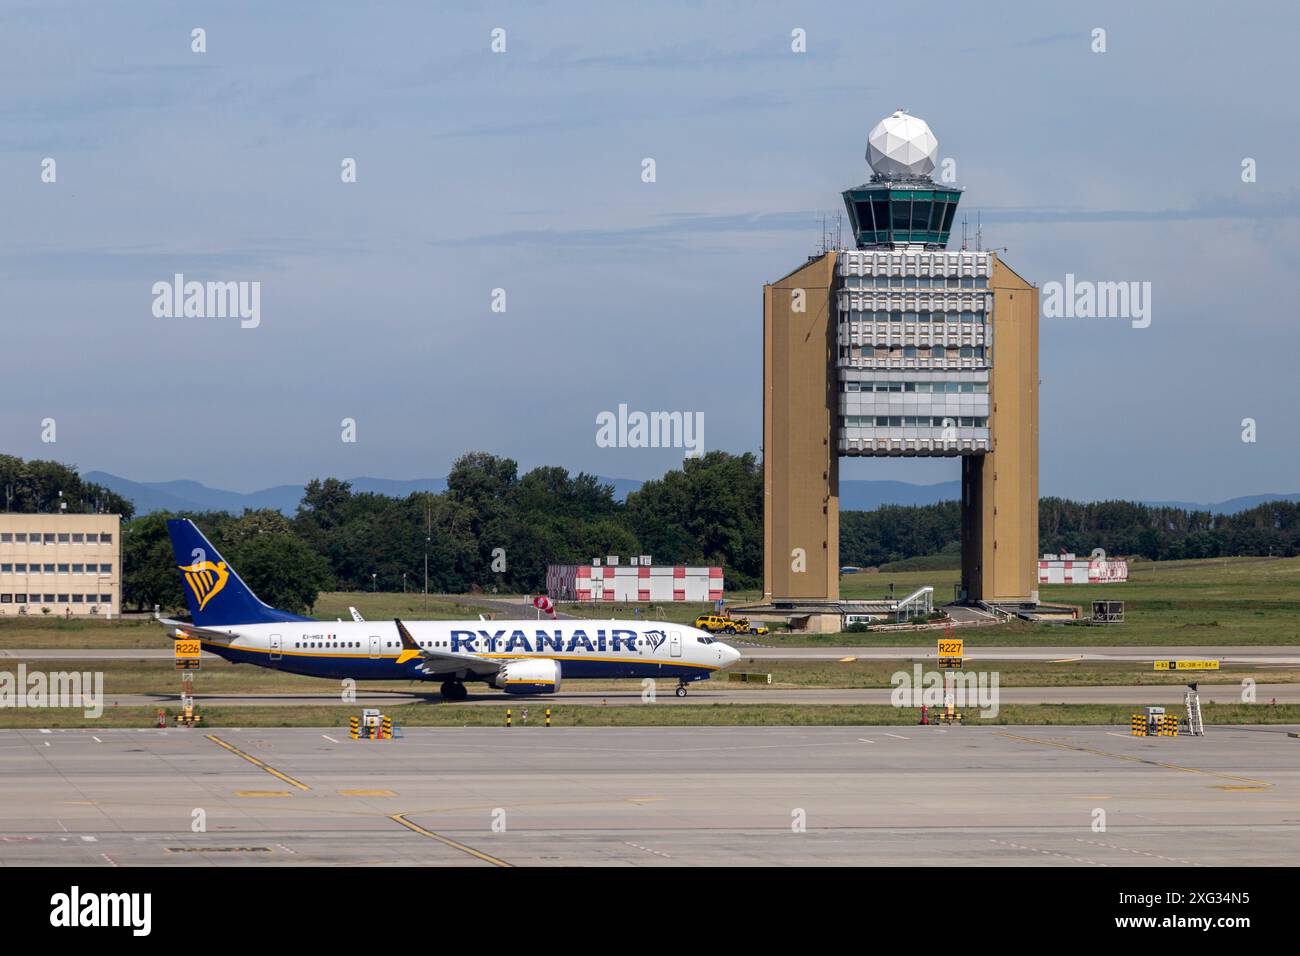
x=681 y=688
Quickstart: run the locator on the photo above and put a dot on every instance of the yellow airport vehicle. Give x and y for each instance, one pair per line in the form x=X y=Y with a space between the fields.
x=717 y=624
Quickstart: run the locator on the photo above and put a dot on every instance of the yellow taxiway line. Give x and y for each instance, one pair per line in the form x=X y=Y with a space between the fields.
x=257 y=763
x=448 y=841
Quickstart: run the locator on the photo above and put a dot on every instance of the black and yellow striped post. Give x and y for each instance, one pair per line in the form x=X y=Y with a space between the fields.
x=386 y=728
x=1169 y=725
x=1139 y=725
x=548 y=716
x=354 y=727
x=508 y=717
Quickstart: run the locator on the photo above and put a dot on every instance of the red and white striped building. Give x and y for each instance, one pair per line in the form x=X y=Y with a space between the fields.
x=584 y=582
x=1069 y=569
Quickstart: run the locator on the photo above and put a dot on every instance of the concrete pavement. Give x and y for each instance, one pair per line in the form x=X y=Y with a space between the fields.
x=735 y=796
x=629 y=695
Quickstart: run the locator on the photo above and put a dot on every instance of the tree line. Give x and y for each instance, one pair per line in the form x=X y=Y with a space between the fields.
x=494 y=528
x=48 y=487
x=491 y=528
x=1122 y=528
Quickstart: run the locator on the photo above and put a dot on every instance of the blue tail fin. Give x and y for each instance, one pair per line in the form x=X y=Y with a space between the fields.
x=216 y=595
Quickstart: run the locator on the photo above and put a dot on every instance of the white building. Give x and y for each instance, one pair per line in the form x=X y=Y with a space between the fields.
x=665 y=583
x=1068 y=569
x=64 y=564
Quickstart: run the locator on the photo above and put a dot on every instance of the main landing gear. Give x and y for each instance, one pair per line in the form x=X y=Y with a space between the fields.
x=681 y=688
x=453 y=690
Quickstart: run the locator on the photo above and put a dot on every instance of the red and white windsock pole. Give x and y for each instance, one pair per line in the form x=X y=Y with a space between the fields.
x=543 y=605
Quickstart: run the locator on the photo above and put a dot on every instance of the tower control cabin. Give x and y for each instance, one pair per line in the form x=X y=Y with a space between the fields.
x=901 y=347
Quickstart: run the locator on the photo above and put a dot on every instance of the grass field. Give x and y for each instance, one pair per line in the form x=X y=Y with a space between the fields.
x=219 y=678
x=647 y=715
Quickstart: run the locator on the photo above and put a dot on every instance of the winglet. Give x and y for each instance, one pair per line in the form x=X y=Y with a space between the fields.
x=410 y=649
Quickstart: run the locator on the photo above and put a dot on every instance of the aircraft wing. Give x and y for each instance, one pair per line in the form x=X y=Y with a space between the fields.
x=441 y=662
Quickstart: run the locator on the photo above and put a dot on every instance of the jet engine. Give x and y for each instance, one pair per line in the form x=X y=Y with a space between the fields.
x=528 y=677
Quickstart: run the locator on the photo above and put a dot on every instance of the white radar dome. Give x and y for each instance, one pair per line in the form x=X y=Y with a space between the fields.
x=902 y=146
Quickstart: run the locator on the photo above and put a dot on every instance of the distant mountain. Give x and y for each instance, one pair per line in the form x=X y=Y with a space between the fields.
x=1229 y=507
x=855 y=494
x=149 y=496
x=859 y=494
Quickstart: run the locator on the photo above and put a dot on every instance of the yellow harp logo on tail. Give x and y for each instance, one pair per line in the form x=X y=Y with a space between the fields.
x=205 y=579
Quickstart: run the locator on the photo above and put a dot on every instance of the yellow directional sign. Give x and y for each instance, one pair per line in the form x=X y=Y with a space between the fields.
x=950 y=650
x=188 y=653
x=1187 y=665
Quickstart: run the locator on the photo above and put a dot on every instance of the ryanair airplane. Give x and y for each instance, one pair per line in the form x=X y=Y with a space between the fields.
x=517 y=657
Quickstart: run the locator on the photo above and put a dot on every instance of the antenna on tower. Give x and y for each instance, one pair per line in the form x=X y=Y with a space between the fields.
x=979 y=233
x=831 y=241
x=963 y=233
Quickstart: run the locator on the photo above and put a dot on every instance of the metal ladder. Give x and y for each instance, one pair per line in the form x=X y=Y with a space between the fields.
x=1192 y=701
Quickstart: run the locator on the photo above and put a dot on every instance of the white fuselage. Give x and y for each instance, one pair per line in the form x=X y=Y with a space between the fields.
x=372 y=650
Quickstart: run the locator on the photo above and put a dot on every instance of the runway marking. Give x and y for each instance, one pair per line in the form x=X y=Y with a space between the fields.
x=847 y=660
x=448 y=841
x=109 y=859
x=257 y=763
x=897 y=736
x=638 y=846
x=866 y=741
x=217 y=849
x=1157 y=856
x=1254 y=784
x=329 y=738
x=366 y=793
x=263 y=793
x=1034 y=849
x=96 y=739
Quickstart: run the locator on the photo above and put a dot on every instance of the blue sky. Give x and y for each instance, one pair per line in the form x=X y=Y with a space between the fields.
x=522 y=171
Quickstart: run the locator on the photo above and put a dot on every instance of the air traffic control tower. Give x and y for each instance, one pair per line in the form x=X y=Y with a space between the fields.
x=900 y=347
